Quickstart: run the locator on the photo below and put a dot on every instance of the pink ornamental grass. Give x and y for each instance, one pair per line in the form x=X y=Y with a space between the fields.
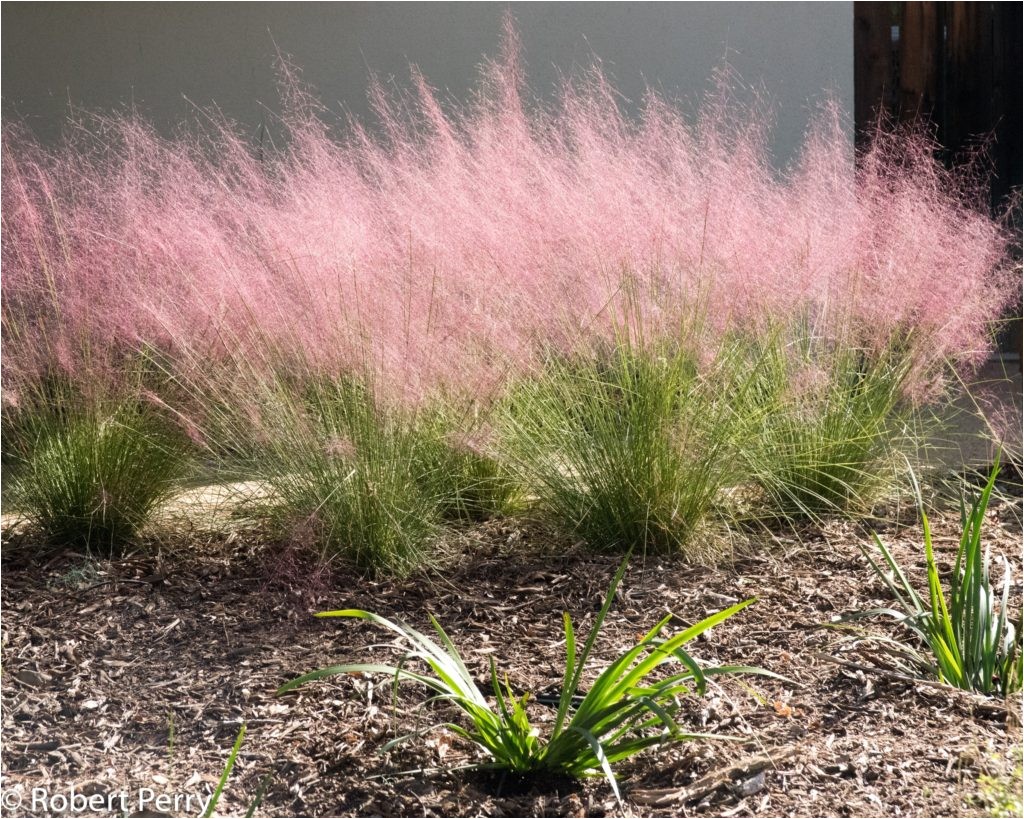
x=446 y=245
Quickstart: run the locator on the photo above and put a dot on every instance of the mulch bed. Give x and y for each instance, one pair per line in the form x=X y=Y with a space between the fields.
x=137 y=673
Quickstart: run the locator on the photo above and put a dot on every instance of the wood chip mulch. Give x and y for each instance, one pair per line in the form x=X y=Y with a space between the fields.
x=137 y=673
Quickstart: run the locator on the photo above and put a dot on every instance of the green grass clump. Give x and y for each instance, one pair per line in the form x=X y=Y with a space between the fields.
x=628 y=708
x=828 y=424
x=91 y=476
x=626 y=447
x=972 y=642
x=1003 y=796
x=354 y=470
x=460 y=467
x=346 y=473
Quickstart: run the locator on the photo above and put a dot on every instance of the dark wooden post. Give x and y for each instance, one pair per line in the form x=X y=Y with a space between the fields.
x=874 y=64
x=956 y=64
x=920 y=41
x=1007 y=24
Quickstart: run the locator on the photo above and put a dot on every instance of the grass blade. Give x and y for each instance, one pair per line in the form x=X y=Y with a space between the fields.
x=215 y=798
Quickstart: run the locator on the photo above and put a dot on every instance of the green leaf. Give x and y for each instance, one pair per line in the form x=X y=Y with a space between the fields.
x=970 y=638
x=614 y=720
x=600 y=757
x=215 y=798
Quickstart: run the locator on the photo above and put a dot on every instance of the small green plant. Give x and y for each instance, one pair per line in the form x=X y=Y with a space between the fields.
x=1000 y=795
x=92 y=475
x=971 y=641
x=828 y=422
x=627 y=447
x=228 y=767
x=77 y=576
x=170 y=737
x=625 y=711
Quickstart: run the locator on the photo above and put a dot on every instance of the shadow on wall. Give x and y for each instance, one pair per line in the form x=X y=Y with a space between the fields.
x=163 y=58
x=986 y=417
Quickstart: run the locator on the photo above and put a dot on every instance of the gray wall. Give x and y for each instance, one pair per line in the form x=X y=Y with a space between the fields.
x=100 y=55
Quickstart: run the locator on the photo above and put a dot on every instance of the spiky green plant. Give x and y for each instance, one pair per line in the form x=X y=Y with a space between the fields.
x=627 y=709
x=972 y=642
x=627 y=447
x=91 y=475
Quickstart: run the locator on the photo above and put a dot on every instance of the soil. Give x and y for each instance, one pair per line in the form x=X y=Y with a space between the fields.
x=137 y=672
